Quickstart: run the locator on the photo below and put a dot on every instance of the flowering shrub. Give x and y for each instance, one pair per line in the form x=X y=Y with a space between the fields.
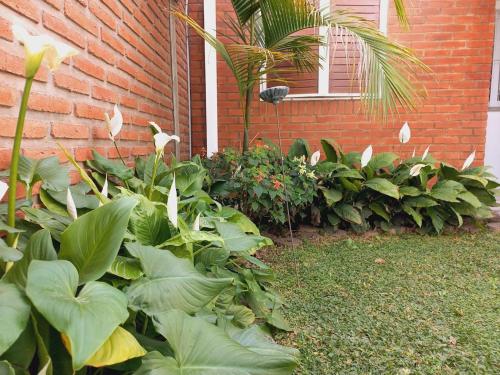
x=255 y=184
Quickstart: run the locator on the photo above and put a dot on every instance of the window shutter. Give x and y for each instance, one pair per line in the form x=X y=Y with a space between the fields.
x=344 y=57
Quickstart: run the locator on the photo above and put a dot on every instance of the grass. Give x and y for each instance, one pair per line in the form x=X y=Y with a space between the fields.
x=394 y=305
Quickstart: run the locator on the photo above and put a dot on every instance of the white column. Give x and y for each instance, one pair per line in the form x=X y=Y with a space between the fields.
x=384 y=16
x=210 y=22
x=324 y=53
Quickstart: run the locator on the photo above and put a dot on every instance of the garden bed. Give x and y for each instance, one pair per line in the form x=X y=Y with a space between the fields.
x=399 y=305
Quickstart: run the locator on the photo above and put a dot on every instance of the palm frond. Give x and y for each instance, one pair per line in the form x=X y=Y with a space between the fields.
x=401 y=12
x=245 y=9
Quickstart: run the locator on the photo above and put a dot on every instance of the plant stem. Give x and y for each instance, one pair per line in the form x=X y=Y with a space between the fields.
x=16 y=149
x=153 y=176
x=119 y=154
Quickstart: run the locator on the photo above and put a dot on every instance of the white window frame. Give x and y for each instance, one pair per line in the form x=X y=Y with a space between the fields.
x=324 y=70
x=495 y=73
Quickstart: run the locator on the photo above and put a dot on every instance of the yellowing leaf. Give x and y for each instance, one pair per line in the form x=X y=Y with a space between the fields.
x=119 y=347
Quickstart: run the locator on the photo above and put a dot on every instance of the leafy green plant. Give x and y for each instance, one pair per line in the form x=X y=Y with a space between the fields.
x=254 y=183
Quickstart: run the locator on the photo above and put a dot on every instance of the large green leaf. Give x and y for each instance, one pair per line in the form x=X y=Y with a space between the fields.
x=382 y=160
x=332 y=196
x=14 y=314
x=86 y=319
x=110 y=167
x=239 y=242
x=470 y=198
x=39 y=247
x=383 y=186
x=447 y=190
x=170 y=283
x=92 y=241
x=299 y=148
x=329 y=150
x=348 y=213
x=53 y=175
x=148 y=222
x=9 y=254
x=126 y=268
x=189 y=178
x=201 y=348
x=80 y=195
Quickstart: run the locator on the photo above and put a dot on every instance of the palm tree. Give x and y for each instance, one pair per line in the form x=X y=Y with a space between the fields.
x=265 y=42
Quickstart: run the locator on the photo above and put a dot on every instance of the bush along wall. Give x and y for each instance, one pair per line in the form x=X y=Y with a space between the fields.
x=357 y=191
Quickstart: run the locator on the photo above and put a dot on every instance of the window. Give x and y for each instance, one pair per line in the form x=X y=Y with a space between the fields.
x=495 y=76
x=335 y=78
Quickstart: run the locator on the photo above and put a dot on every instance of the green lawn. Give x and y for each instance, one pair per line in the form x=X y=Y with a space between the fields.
x=430 y=307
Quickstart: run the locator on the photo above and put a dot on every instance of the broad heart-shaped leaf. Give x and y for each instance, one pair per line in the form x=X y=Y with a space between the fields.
x=126 y=268
x=201 y=348
x=92 y=241
x=53 y=175
x=299 y=148
x=148 y=222
x=447 y=190
x=170 y=283
x=87 y=320
x=383 y=186
x=382 y=160
x=110 y=167
x=332 y=196
x=39 y=247
x=348 y=213
x=329 y=150
x=189 y=178
x=9 y=254
x=239 y=242
x=14 y=314
x=119 y=347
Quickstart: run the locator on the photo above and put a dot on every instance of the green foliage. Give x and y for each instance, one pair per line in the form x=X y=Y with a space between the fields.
x=95 y=294
x=254 y=183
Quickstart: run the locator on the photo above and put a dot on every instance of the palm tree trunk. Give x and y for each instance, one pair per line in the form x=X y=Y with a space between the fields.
x=246 y=117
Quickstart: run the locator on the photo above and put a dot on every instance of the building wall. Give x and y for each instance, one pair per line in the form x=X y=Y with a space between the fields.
x=453 y=37
x=124 y=58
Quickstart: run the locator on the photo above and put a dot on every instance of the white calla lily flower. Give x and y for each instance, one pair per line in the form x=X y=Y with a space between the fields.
x=196 y=224
x=366 y=156
x=3 y=189
x=315 y=158
x=426 y=152
x=40 y=47
x=57 y=53
x=156 y=127
x=114 y=124
x=415 y=170
x=104 y=190
x=405 y=133
x=70 y=205
x=162 y=139
x=470 y=159
x=172 y=204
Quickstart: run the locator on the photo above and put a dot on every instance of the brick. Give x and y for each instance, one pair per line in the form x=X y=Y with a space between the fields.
x=47 y=103
x=88 y=67
x=104 y=94
x=85 y=153
x=103 y=53
x=5 y=157
x=128 y=101
x=60 y=27
x=8 y=96
x=118 y=80
x=5 y=29
x=27 y=8
x=104 y=15
x=111 y=40
x=42 y=153
x=89 y=111
x=32 y=129
x=70 y=131
x=57 y=4
x=71 y=83
x=77 y=14
x=114 y=7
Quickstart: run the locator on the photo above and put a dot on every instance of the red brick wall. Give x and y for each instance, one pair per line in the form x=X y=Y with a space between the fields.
x=453 y=37
x=124 y=58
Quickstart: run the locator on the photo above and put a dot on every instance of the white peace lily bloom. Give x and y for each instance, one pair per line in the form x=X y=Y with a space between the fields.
x=468 y=162
x=70 y=205
x=196 y=224
x=104 y=190
x=366 y=156
x=415 y=170
x=172 y=204
x=162 y=139
x=155 y=126
x=3 y=189
x=57 y=53
x=426 y=152
x=405 y=133
x=39 y=46
x=114 y=124
x=315 y=158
